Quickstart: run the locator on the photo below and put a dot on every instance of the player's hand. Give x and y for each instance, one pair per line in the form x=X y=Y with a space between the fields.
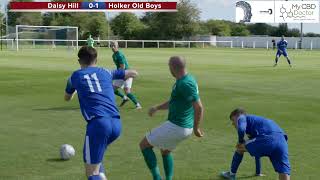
x=152 y=111
x=198 y=132
x=241 y=147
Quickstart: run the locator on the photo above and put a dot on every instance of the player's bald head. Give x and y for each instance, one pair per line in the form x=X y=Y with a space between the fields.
x=114 y=44
x=178 y=63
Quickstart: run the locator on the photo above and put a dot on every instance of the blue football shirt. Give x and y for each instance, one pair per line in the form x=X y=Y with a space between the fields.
x=95 y=91
x=254 y=126
x=282 y=45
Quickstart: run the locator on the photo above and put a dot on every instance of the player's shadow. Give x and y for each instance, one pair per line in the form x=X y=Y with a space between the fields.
x=246 y=177
x=57 y=109
x=55 y=160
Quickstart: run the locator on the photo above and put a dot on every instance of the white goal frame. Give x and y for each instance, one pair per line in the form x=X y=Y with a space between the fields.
x=61 y=27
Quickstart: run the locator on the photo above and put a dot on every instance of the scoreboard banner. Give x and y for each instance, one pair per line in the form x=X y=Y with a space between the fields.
x=93 y=6
x=277 y=11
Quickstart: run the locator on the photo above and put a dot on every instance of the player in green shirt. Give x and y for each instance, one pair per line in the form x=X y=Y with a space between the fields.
x=121 y=62
x=90 y=41
x=185 y=113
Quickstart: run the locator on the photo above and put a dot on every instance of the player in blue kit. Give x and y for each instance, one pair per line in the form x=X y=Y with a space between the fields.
x=98 y=107
x=282 y=50
x=266 y=139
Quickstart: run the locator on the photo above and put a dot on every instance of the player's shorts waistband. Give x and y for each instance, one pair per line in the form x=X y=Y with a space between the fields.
x=104 y=117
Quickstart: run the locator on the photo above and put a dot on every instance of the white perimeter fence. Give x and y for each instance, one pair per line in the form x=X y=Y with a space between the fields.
x=224 y=42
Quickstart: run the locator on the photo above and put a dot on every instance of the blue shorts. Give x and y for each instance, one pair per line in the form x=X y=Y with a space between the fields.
x=275 y=147
x=284 y=53
x=101 y=132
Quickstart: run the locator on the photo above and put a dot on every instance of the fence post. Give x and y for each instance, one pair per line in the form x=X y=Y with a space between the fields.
x=242 y=44
x=158 y=44
x=311 y=45
x=174 y=44
x=142 y=44
x=189 y=44
x=202 y=44
x=296 y=45
x=267 y=45
x=109 y=43
x=231 y=44
x=12 y=41
x=34 y=44
x=126 y=44
x=254 y=45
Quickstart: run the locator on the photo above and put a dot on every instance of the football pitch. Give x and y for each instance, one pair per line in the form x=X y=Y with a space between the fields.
x=35 y=121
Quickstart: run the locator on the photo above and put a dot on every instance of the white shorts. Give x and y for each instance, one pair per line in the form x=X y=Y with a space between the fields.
x=168 y=135
x=121 y=83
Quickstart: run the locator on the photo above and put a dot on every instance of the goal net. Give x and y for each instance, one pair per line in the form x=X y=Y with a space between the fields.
x=46 y=37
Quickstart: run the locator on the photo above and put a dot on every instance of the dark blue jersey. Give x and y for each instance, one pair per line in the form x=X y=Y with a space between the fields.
x=282 y=45
x=254 y=126
x=95 y=91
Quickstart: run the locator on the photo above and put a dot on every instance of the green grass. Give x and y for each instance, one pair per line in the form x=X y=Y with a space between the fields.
x=35 y=120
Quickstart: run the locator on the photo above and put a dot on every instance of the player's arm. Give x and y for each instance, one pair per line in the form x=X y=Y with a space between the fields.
x=123 y=74
x=121 y=61
x=198 y=116
x=242 y=125
x=154 y=109
x=69 y=91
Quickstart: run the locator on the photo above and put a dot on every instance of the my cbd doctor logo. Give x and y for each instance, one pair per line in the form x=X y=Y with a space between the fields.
x=297 y=11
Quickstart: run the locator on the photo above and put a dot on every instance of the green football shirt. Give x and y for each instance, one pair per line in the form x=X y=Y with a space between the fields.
x=184 y=92
x=119 y=58
x=90 y=42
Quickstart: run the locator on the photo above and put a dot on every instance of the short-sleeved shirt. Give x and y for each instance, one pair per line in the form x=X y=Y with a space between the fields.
x=119 y=58
x=90 y=42
x=282 y=45
x=95 y=91
x=184 y=93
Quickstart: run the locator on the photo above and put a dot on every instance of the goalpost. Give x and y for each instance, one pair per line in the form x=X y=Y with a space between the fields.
x=48 y=37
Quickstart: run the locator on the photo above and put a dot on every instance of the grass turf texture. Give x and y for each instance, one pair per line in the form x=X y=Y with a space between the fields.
x=35 y=120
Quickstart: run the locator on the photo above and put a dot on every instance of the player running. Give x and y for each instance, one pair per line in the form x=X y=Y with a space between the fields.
x=121 y=63
x=97 y=102
x=267 y=139
x=90 y=41
x=282 y=50
x=185 y=114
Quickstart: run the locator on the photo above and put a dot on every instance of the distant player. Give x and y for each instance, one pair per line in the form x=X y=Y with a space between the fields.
x=90 y=41
x=282 y=50
x=121 y=62
x=97 y=102
x=267 y=139
x=185 y=113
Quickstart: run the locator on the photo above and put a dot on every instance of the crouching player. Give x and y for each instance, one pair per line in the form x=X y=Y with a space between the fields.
x=97 y=102
x=236 y=161
x=185 y=114
x=267 y=139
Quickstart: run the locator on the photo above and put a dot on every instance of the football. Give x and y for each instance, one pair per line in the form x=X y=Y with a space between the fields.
x=66 y=152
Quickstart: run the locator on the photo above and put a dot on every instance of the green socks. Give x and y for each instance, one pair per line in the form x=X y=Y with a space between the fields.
x=132 y=98
x=151 y=160
x=168 y=166
x=118 y=93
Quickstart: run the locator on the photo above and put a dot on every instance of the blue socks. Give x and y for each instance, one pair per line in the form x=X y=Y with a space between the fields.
x=94 y=177
x=236 y=160
x=258 y=166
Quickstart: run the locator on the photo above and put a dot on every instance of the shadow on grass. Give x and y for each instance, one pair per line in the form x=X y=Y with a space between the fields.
x=57 y=109
x=55 y=160
x=238 y=177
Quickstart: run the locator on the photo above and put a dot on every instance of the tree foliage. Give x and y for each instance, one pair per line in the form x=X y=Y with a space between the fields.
x=127 y=25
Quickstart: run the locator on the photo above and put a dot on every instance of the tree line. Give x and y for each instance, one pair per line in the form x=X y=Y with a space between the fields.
x=152 y=25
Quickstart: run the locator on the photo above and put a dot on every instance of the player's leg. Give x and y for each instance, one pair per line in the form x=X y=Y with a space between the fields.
x=167 y=163
x=236 y=161
x=258 y=166
x=285 y=54
x=280 y=158
x=98 y=135
x=117 y=84
x=150 y=158
x=127 y=90
x=277 y=58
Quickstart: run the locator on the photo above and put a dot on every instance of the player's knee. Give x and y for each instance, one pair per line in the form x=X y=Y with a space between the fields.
x=92 y=170
x=240 y=152
x=144 y=144
x=127 y=90
x=165 y=152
